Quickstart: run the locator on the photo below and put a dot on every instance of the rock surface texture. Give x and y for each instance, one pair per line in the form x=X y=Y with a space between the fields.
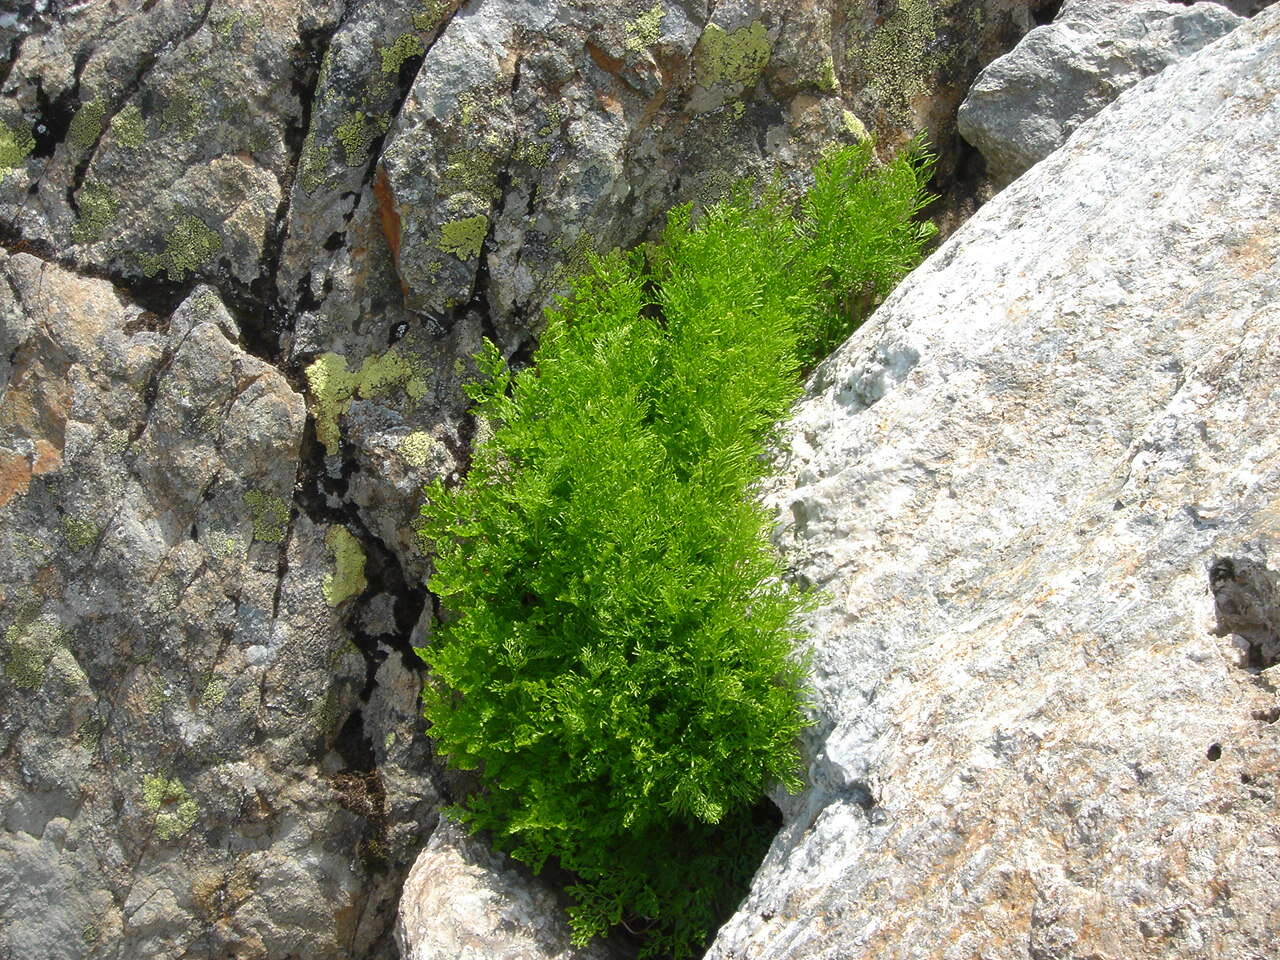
x=1041 y=492
x=247 y=249
x=1027 y=103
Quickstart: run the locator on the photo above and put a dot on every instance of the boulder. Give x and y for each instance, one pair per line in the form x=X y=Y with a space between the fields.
x=1026 y=104
x=1040 y=495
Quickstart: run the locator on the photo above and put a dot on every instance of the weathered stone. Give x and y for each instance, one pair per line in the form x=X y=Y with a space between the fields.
x=1044 y=724
x=1026 y=104
x=464 y=902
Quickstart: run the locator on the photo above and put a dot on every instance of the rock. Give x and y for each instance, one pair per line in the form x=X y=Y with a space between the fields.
x=464 y=902
x=1045 y=723
x=1026 y=104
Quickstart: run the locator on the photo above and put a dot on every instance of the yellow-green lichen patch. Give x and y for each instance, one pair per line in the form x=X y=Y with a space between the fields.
x=176 y=812
x=79 y=532
x=347 y=579
x=86 y=125
x=215 y=691
x=129 y=128
x=31 y=646
x=314 y=168
x=15 y=146
x=735 y=58
x=97 y=209
x=464 y=238
x=191 y=245
x=270 y=516
x=416 y=449
x=471 y=171
x=853 y=126
x=356 y=134
x=897 y=58
x=827 y=75
x=430 y=14
x=645 y=29
x=333 y=387
x=405 y=47
x=181 y=115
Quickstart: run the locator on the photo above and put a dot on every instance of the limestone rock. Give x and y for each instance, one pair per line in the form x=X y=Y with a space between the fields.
x=1026 y=104
x=1046 y=720
x=464 y=902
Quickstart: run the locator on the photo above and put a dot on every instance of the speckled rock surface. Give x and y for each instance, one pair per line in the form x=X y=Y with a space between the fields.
x=1041 y=492
x=463 y=902
x=1026 y=104
x=249 y=248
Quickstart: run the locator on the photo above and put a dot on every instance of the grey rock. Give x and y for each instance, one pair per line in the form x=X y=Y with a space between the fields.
x=1026 y=104
x=464 y=902
x=1036 y=733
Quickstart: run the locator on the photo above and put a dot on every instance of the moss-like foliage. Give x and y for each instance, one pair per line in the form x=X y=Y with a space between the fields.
x=190 y=246
x=347 y=579
x=734 y=58
x=16 y=145
x=464 y=238
x=97 y=209
x=270 y=516
x=619 y=664
x=176 y=811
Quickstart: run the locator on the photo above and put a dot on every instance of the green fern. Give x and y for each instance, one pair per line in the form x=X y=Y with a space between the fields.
x=620 y=663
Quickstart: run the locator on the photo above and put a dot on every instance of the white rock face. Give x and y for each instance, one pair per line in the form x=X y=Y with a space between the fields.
x=464 y=902
x=1024 y=105
x=1044 y=728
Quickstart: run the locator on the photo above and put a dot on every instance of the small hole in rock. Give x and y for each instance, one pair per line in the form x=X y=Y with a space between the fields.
x=1214 y=751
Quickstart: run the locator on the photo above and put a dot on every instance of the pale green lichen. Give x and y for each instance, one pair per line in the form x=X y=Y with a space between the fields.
x=416 y=449
x=176 y=812
x=215 y=691
x=79 y=532
x=86 y=125
x=181 y=114
x=853 y=126
x=357 y=133
x=897 y=58
x=404 y=47
x=732 y=59
x=464 y=238
x=31 y=645
x=97 y=209
x=347 y=579
x=471 y=171
x=129 y=128
x=430 y=14
x=333 y=387
x=645 y=29
x=270 y=516
x=158 y=694
x=191 y=245
x=314 y=168
x=827 y=81
x=89 y=735
x=15 y=147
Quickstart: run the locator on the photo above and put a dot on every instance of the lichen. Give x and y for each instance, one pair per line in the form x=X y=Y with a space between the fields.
x=176 y=812
x=347 y=579
x=356 y=134
x=97 y=209
x=31 y=646
x=732 y=59
x=404 y=47
x=86 y=125
x=430 y=14
x=464 y=238
x=15 y=147
x=827 y=74
x=188 y=247
x=181 y=115
x=853 y=126
x=79 y=532
x=270 y=516
x=645 y=29
x=314 y=168
x=215 y=691
x=333 y=387
x=897 y=58
x=129 y=128
x=416 y=449
x=471 y=171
